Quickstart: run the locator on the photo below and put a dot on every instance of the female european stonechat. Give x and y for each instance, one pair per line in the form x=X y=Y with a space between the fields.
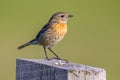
x=52 y=33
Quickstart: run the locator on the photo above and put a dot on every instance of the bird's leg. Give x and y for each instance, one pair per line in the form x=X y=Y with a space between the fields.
x=45 y=53
x=57 y=57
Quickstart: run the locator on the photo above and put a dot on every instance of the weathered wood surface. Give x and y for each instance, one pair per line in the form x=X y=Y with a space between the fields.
x=34 y=69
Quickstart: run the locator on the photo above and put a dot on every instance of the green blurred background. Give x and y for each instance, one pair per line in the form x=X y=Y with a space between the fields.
x=93 y=33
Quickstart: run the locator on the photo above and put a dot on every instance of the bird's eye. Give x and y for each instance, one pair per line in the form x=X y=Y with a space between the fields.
x=62 y=16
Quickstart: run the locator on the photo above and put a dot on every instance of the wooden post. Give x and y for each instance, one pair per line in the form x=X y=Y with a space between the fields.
x=34 y=69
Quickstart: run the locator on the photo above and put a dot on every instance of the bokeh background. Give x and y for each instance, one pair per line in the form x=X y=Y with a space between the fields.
x=93 y=33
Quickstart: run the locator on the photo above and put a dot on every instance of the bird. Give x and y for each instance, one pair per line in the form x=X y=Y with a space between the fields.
x=51 y=33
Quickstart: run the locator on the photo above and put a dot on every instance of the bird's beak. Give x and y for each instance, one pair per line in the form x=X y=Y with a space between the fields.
x=70 y=15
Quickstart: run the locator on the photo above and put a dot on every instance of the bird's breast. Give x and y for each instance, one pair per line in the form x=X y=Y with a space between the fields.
x=60 y=29
x=54 y=34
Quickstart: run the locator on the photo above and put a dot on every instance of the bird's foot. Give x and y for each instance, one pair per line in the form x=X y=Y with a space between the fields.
x=48 y=58
x=60 y=60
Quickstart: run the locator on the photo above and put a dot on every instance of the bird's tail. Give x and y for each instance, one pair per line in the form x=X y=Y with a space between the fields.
x=27 y=44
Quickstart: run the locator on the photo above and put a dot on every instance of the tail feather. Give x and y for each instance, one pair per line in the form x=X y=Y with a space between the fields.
x=24 y=45
x=28 y=43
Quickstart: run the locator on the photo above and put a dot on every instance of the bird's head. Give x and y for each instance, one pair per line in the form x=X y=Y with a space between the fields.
x=60 y=17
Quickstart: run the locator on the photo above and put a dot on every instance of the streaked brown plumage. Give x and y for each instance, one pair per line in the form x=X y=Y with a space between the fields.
x=53 y=32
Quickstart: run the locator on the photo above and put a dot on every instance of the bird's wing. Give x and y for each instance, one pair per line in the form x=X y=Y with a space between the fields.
x=42 y=32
